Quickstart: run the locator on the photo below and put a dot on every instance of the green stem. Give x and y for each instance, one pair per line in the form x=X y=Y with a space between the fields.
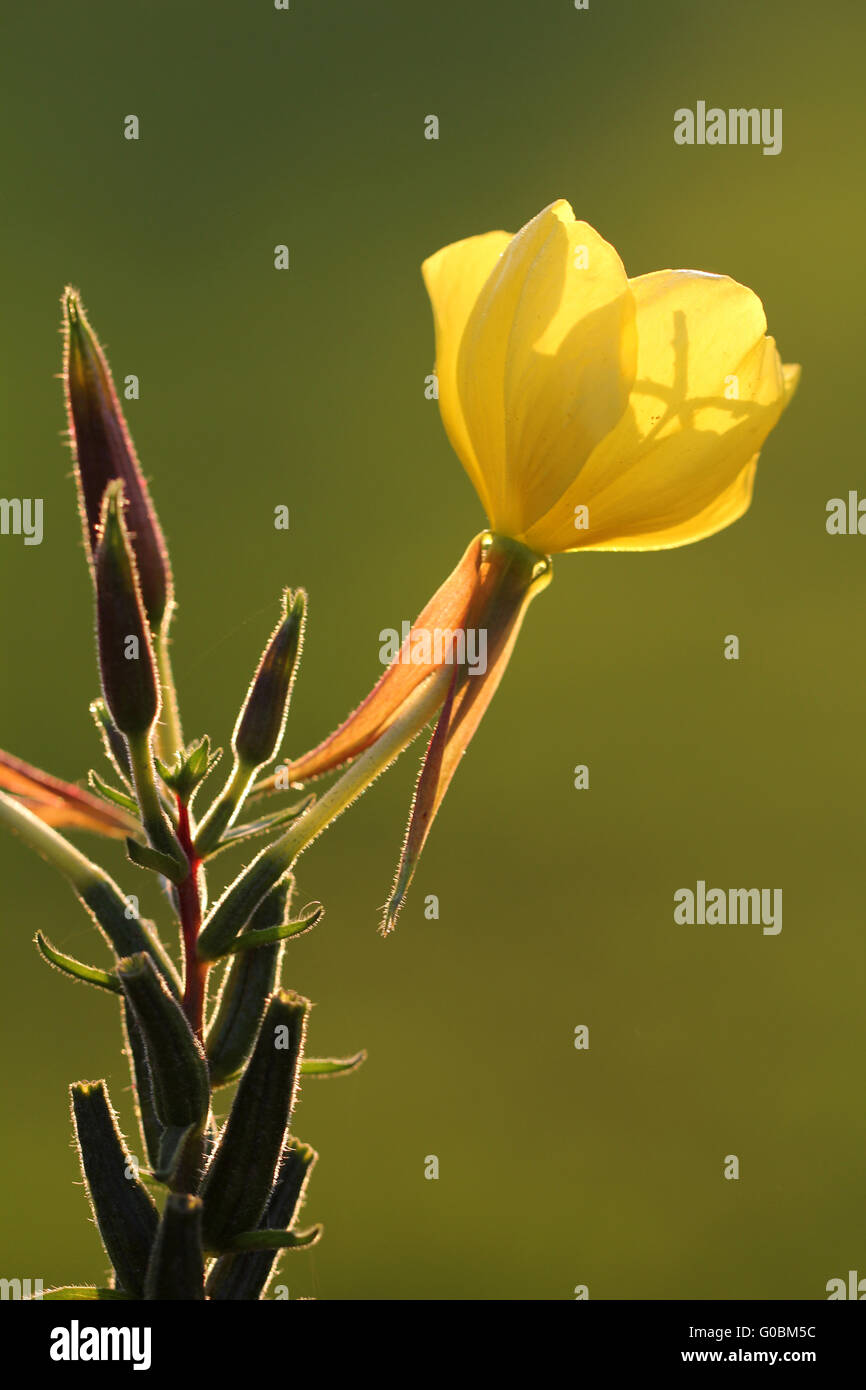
x=153 y=817
x=224 y=810
x=169 y=736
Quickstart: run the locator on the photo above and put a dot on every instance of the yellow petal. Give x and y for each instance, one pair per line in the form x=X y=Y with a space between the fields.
x=728 y=507
x=545 y=365
x=454 y=278
x=710 y=387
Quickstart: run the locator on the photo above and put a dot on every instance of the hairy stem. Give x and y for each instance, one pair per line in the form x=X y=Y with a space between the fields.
x=189 y=898
x=168 y=731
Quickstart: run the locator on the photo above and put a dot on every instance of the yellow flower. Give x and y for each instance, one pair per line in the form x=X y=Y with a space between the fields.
x=591 y=412
x=595 y=412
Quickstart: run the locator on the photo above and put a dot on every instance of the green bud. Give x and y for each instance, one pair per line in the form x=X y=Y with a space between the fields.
x=176 y=1268
x=126 y=1216
x=239 y=1178
x=262 y=720
x=175 y=1056
x=126 y=660
x=103 y=452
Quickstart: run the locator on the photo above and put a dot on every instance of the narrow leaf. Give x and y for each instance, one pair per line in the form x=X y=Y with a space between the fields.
x=249 y=830
x=106 y=904
x=332 y=1066
x=276 y=1240
x=109 y=793
x=89 y=974
x=253 y=940
x=148 y=858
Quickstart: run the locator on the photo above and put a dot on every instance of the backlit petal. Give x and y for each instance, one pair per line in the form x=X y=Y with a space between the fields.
x=546 y=364
x=710 y=387
x=454 y=278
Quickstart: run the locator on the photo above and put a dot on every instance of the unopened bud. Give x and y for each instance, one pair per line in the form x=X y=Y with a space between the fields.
x=126 y=660
x=103 y=452
x=262 y=720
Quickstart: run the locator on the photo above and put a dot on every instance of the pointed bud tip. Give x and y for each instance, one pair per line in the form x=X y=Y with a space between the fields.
x=71 y=301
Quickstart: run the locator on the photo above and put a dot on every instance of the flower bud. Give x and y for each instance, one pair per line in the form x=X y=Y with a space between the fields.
x=103 y=452
x=126 y=660
x=262 y=720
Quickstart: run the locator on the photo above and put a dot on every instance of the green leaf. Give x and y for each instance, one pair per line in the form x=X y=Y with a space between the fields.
x=148 y=858
x=98 y=892
x=190 y=768
x=267 y=936
x=332 y=1066
x=249 y=830
x=275 y=1240
x=75 y=1293
x=89 y=974
x=109 y=793
x=239 y=901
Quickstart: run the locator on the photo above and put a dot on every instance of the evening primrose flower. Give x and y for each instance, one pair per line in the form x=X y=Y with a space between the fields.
x=595 y=412
x=591 y=412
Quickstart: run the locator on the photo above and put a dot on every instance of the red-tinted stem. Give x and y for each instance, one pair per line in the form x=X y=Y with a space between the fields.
x=189 y=895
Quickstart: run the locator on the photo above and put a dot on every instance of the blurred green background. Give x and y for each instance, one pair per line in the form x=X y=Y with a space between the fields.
x=557 y=1167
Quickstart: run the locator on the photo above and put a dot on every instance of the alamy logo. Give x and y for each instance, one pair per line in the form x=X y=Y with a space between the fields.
x=855 y=1287
x=423 y=646
x=77 y=1343
x=736 y=126
x=22 y=516
x=20 y=1289
x=717 y=907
